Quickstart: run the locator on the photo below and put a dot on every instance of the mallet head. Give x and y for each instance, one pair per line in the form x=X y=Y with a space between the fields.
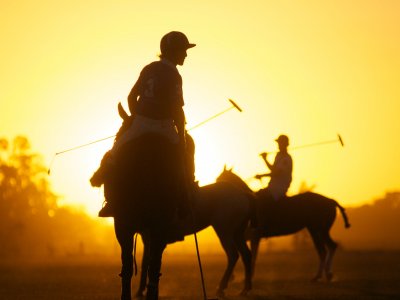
x=235 y=105
x=340 y=140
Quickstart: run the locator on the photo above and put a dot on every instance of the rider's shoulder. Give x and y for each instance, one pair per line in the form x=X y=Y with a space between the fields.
x=283 y=158
x=160 y=68
x=151 y=66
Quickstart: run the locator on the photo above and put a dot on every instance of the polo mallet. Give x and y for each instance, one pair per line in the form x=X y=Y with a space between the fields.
x=203 y=285
x=234 y=105
x=337 y=140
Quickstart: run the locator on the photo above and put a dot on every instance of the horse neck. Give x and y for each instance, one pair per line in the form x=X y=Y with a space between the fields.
x=238 y=182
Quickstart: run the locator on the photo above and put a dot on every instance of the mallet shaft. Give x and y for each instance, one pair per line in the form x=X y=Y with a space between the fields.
x=234 y=105
x=339 y=139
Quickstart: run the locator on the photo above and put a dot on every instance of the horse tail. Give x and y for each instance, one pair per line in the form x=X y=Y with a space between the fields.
x=253 y=211
x=344 y=215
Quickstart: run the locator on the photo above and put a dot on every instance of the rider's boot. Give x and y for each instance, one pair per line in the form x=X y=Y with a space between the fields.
x=108 y=206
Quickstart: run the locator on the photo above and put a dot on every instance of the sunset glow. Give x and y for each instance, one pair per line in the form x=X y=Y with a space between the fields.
x=309 y=69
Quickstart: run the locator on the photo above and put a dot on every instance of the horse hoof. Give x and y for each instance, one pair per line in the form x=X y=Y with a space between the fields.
x=316 y=279
x=244 y=292
x=139 y=295
x=329 y=277
x=152 y=294
x=126 y=297
x=220 y=293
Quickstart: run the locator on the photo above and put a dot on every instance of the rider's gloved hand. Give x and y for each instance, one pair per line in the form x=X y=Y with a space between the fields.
x=264 y=155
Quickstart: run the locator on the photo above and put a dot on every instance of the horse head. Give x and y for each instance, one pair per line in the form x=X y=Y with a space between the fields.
x=227 y=175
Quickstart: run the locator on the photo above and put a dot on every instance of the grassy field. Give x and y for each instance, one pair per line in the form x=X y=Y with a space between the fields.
x=358 y=275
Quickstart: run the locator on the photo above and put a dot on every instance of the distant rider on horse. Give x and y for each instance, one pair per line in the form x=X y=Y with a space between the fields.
x=156 y=106
x=281 y=171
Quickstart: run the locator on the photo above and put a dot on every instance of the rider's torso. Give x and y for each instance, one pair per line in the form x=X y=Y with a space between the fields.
x=160 y=91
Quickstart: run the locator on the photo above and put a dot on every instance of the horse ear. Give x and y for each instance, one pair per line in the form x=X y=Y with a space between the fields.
x=224 y=167
x=230 y=170
x=121 y=111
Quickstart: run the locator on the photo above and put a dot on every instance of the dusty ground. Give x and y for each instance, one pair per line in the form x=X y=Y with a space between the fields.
x=359 y=275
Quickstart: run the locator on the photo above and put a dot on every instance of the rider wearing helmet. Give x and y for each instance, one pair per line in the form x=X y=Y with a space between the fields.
x=281 y=170
x=156 y=101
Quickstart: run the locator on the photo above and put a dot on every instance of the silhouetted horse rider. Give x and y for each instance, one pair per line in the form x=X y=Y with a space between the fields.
x=144 y=173
x=155 y=103
x=281 y=171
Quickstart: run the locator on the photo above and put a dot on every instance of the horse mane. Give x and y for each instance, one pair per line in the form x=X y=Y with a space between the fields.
x=229 y=176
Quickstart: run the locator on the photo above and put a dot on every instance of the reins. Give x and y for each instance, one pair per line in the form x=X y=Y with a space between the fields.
x=134 y=253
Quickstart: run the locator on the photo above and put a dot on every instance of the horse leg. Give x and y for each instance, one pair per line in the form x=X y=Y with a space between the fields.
x=125 y=239
x=232 y=253
x=320 y=246
x=332 y=245
x=156 y=250
x=145 y=265
x=254 y=245
x=245 y=253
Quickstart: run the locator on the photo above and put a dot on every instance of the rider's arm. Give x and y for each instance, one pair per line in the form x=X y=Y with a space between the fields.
x=132 y=98
x=264 y=157
x=270 y=166
x=179 y=119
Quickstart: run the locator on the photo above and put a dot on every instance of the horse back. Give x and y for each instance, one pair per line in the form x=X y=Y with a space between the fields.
x=314 y=200
x=289 y=215
x=222 y=204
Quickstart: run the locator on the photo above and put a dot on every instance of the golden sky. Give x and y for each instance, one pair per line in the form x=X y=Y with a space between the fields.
x=309 y=69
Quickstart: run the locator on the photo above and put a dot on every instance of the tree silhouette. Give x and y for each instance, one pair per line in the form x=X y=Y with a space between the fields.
x=26 y=200
x=32 y=225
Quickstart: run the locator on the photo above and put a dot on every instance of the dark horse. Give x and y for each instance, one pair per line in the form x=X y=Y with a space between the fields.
x=146 y=196
x=227 y=209
x=307 y=210
x=147 y=200
x=146 y=189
